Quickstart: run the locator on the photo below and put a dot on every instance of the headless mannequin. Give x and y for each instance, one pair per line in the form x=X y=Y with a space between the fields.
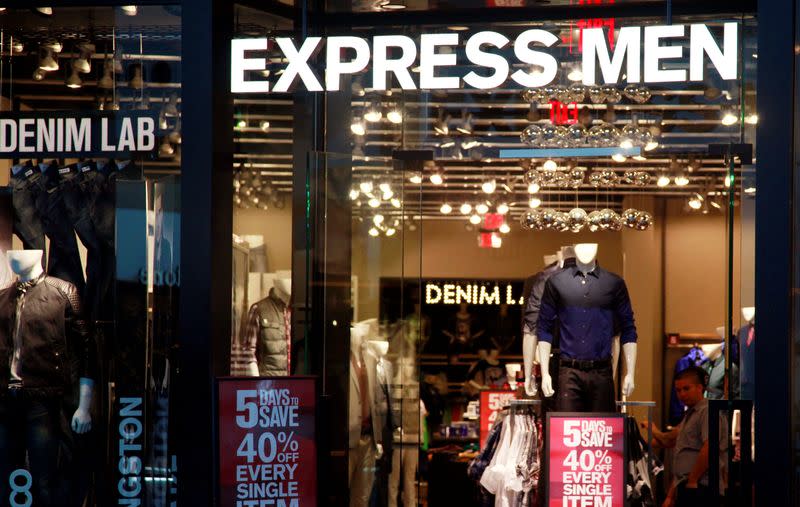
x=530 y=352
x=748 y=313
x=27 y=265
x=283 y=286
x=405 y=459
x=585 y=259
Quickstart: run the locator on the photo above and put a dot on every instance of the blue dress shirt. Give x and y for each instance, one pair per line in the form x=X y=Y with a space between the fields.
x=589 y=309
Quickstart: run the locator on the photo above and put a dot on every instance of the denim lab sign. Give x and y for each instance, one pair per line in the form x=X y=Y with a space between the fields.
x=649 y=54
x=76 y=133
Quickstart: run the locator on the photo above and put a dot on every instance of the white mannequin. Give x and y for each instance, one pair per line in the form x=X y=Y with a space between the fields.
x=511 y=374
x=283 y=285
x=748 y=313
x=379 y=348
x=530 y=340
x=585 y=259
x=566 y=252
x=27 y=265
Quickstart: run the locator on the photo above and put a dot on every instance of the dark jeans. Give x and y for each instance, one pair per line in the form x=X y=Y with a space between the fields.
x=98 y=189
x=27 y=224
x=585 y=390
x=32 y=425
x=78 y=211
x=64 y=261
x=693 y=497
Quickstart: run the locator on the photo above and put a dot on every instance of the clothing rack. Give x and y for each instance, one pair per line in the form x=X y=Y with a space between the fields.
x=650 y=405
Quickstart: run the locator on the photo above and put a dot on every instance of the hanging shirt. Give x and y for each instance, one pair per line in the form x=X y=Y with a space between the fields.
x=747 y=360
x=588 y=309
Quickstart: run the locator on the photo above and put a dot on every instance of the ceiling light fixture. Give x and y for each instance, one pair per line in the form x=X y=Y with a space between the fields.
x=39 y=74
x=465 y=208
x=662 y=181
x=504 y=228
x=83 y=63
x=441 y=125
x=475 y=219
x=129 y=10
x=264 y=125
x=651 y=145
x=681 y=180
x=373 y=113
x=446 y=209
x=378 y=219
x=436 y=178
x=618 y=157
x=550 y=165
x=415 y=178
x=533 y=188
x=534 y=202
x=395 y=115
x=489 y=186
x=575 y=74
x=354 y=194
x=47 y=62
x=482 y=208
x=391 y=231
x=696 y=201
x=107 y=81
x=465 y=126
x=751 y=119
x=74 y=80
x=366 y=187
x=728 y=117
x=374 y=232
x=136 y=82
x=374 y=202
x=165 y=149
x=502 y=208
x=358 y=127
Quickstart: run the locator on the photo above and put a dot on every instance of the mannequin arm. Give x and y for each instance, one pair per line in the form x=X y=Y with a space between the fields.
x=629 y=350
x=82 y=419
x=614 y=356
x=528 y=358
x=544 y=364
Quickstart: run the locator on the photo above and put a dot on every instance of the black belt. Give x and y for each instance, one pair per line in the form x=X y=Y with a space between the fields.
x=585 y=364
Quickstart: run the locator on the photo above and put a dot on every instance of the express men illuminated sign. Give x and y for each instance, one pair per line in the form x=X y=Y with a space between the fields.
x=643 y=50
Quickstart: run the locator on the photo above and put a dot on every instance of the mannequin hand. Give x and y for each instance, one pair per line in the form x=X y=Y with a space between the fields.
x=81 y=421
x=378 y=451
x=547 y=385
x=627 y=385
x=530 y=386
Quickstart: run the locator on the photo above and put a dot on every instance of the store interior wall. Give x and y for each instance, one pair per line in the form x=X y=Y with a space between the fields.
x=275 y=225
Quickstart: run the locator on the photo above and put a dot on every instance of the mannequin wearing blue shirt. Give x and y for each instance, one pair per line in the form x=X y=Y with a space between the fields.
x=589 y=305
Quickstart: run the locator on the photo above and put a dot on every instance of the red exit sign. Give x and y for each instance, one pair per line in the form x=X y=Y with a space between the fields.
x=582 y=24
x=563 y=114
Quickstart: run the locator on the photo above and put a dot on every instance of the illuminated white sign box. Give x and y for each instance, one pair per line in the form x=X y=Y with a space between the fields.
x=646 y=47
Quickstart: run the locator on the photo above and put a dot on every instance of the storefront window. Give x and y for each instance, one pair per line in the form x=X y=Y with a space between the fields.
x=91 y=142
x=459 y=196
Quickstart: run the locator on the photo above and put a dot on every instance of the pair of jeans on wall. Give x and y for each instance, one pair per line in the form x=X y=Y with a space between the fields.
x=29 y=425
x=27 y=224
x=39 y=211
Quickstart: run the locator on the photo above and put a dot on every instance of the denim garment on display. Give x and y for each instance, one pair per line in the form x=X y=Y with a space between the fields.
x=64 y=260
x=27 y=225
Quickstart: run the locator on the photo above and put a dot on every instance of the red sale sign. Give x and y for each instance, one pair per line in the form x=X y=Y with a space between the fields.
x=267 y=442
x=586 y=460
x=492 y=402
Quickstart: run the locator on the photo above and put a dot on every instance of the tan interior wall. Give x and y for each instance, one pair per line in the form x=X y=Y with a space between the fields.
x=448 y=250
x=642 y=261
x=696 y=268
x=276 y=227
